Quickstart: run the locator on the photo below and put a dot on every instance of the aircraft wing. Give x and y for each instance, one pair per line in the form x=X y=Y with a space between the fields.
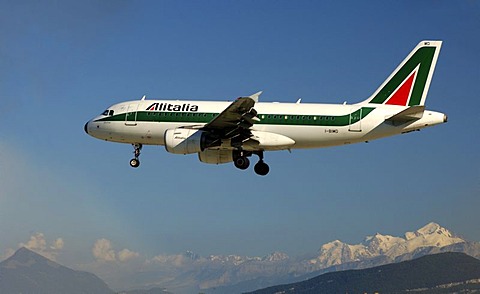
x=235 y=121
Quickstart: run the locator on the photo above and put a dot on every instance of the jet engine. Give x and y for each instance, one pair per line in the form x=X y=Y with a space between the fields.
x=185 y=141
x=215 y=156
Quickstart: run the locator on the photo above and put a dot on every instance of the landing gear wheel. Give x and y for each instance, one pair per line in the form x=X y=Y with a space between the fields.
x=261 y=168
x=134 y=162
x=241 y=162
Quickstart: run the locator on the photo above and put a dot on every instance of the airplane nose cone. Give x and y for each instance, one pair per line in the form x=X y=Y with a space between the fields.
x=86 y=127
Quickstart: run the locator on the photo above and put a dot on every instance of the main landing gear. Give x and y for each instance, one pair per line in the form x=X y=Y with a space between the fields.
x=241 y=161
x=135 y=162
x=261 y=168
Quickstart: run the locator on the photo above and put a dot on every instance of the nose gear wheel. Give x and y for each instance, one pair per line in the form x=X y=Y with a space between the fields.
x=135 y=162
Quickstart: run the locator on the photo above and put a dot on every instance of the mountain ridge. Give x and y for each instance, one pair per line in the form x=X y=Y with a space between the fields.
x=28 y=272
x=235 y=273
x=337 y=252
x=425 y=275
x=192 y=273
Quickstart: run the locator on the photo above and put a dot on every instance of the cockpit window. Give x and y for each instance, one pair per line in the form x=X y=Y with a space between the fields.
x=108 y=112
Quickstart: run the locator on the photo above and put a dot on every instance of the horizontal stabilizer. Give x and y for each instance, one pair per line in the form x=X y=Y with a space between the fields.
x=411 y=113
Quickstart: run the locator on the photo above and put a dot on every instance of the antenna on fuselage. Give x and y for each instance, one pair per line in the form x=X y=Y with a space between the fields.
x=298 y=101
x=144 y=97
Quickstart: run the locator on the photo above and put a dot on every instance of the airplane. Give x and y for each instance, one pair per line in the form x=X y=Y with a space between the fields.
x=223 y=132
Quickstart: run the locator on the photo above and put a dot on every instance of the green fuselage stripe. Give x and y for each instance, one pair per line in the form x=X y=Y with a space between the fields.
x=265 y=119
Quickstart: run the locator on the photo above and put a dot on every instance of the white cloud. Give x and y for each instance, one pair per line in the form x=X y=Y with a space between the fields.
x=58 y=244
x=126 y=254
x=103 y=251
x=38 y=243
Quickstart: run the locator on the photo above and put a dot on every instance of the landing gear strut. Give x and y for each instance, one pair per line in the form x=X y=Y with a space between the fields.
x=135 y=162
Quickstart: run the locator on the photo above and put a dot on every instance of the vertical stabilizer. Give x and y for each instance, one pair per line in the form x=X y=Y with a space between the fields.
x=408 y=84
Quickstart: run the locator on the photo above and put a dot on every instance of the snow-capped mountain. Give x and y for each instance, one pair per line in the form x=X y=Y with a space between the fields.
x=337 y=252
x=275 y=256
x=231 y=259
x=192 y=273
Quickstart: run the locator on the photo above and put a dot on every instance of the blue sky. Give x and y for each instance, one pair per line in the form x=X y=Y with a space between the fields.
x=63 y=62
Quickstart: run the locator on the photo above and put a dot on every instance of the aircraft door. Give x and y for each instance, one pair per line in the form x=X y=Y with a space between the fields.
x=131 y=115
x=355 y=121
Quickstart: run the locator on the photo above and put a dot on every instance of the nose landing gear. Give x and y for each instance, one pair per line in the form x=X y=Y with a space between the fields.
x=135 y=162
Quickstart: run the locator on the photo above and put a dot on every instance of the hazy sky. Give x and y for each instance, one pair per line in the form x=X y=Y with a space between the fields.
x=63 y=62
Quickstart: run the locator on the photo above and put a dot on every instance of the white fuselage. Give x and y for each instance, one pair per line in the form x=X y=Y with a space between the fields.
x=309 y=125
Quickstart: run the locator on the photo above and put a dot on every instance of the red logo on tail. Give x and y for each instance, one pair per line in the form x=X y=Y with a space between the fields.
x=400 y=97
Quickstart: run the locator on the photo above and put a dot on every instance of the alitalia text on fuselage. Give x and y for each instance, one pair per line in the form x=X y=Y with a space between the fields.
x=172 y=107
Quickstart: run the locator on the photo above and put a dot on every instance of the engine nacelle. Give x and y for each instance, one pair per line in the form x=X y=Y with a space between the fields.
x=215 y=156
x=184 y=141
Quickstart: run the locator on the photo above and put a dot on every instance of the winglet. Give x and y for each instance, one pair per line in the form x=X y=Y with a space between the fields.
x=255 y=96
